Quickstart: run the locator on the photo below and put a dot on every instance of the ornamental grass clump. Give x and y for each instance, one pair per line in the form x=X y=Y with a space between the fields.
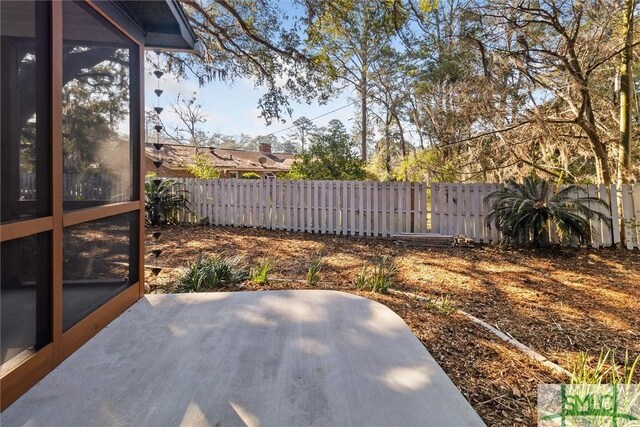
x=523 y=212
x=606 y=369
x=260 y=272
x=313 y=274
x=443 y=304
x=209 y=272
x=377 y=277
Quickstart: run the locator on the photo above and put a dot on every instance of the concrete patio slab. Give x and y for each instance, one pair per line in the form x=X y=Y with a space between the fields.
x=274 y=358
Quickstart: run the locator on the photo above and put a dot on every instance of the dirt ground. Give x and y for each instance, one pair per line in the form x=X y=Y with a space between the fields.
x=559 y=301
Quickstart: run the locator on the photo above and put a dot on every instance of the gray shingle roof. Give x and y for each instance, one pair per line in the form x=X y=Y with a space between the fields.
x=178 y=156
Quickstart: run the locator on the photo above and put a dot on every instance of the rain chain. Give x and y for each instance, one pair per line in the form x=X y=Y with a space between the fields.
x=155 y=270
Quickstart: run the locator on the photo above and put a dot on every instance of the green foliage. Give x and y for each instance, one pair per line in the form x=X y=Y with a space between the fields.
x=429 y=72
x=606 y=370
x=163 y=199
x=523 y=212
x=314 y=269
x=330 y=157
x=250 y=175
x=202 y=168
x=376 y=169
x=208 y=272
x=377 y=278
x=428 y=6
x=426 y=166
x=260 y=272
x=442 y=304
x=258 y=40
x=304 y=127
x=361 y=281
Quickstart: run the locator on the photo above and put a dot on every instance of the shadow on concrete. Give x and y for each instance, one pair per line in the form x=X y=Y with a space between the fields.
x=248 y=358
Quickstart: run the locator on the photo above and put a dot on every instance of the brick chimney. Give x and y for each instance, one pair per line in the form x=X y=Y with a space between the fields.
x=265 y=148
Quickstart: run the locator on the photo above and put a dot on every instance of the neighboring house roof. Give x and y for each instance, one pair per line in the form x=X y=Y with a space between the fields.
x=179 y=156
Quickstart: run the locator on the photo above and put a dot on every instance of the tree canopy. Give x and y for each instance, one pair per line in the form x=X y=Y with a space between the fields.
x=331 y=156
x=475 y=90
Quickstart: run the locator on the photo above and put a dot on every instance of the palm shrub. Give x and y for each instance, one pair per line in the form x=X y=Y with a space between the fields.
x=524 y=211
x=163 y=199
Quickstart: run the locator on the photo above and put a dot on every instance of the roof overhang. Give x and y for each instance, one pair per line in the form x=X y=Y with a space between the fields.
x=164 y=23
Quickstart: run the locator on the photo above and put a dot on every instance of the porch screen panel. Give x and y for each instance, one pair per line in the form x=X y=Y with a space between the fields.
x=97 y=110
x=25 y=110
x=25 y=296
x=100 y=261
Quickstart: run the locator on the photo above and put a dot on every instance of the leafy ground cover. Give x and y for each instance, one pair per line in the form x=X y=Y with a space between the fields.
x=560 y=302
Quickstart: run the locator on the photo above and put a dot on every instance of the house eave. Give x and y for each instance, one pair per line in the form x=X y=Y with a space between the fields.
x=165 y=25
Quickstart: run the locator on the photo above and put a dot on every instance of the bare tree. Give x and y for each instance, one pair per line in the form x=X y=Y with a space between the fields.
x=190 y=117
x=560 y=46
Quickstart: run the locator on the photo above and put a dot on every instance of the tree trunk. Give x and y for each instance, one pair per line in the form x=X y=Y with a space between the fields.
x=387 y=148
x=624 y=145
x=602 y=164
x=416 y=120
x=587 y=123
x=402 y=140
x=363 y=118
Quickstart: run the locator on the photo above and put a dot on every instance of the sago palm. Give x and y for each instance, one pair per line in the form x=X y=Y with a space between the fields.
x=163 y=199
x=524 y=211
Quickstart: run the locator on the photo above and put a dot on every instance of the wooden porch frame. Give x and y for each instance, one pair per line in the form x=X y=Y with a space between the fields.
x=19 y=378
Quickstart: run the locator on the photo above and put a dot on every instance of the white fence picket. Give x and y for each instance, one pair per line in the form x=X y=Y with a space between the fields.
x=627 y=215
x=615 y=217
x=596 y=223
x=385 y=198
x=636 y=212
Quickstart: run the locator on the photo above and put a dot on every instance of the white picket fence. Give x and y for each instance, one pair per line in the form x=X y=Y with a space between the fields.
x=360 y=208
x=460 y=209
x=89 y=186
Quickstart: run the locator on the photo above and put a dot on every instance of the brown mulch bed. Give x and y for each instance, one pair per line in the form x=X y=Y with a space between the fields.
x=558 y=301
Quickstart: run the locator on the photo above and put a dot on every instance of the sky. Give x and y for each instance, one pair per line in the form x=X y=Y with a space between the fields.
x=232 y=109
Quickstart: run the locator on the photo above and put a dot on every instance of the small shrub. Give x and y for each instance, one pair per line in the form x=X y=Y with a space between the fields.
x=208 y=272
x=203 y=168
x=442 y=304
x=260 y=273
x=380 y=278
x=314 y=270
x=250 y=175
